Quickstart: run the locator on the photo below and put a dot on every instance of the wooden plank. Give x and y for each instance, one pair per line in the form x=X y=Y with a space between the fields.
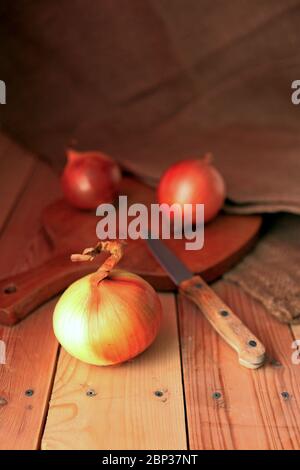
x=250 y=412
x=31 y=348
x=23 y=244
x=125 y=413
x=31 y=351
x=16 y=166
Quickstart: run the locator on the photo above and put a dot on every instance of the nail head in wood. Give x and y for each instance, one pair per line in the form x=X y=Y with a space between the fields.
x=91 y=393
x=11 y=289
x=285 y=395
x=252 y=343
x=29 y=392
x=158 y=393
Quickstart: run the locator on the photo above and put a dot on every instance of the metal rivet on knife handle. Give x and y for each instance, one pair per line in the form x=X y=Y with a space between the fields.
x=224 y=313
x=216 y=395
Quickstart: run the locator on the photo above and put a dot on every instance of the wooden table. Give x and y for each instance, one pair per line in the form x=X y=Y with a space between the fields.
x=186 y=391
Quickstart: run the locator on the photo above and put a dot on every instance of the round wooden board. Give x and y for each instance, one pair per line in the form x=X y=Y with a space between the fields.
x=227 y=238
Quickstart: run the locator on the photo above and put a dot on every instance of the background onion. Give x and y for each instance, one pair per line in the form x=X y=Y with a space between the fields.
x=89 y=179
x=193 y=181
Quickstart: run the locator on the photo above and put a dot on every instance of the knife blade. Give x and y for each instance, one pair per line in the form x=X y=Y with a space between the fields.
x=251 y=352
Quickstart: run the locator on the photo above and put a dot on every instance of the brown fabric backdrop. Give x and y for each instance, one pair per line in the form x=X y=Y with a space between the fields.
x=152 y=81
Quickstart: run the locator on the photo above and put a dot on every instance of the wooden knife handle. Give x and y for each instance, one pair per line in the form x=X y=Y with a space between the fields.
x=250 y=351
x=22 y=293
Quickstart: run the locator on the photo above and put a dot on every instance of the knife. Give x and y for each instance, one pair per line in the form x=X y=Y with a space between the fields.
x=251 y=352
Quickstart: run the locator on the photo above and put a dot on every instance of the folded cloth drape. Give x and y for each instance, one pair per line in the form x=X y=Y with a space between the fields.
x=271 y=273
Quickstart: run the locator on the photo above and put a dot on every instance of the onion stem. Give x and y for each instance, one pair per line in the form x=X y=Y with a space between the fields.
x=114 y=247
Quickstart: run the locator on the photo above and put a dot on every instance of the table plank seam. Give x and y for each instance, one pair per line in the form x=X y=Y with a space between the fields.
x=182 y=372
x=49 y=395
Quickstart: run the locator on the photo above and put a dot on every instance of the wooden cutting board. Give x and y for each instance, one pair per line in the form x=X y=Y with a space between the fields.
x=227 y=239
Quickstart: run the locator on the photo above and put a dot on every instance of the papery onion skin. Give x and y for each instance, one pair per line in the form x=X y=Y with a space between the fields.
x=90 y=179
x=110 y=322
x=193 y=181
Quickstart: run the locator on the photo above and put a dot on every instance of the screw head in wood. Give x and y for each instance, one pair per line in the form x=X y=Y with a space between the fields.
x=91 y=393
x=158 y=393
x=285 y=395
x=217 y=395
x=29 y=392
x=252 y=343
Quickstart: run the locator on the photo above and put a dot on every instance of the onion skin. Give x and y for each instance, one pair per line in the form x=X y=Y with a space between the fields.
x=193 y=182
x=109 y=322
x=90 y=179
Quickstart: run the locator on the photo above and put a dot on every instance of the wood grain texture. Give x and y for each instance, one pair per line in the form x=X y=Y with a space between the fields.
x=125 y=413
x=23 y=244
x=15 y=168
x=31 y=351
x=31 y=348
x=229 y=407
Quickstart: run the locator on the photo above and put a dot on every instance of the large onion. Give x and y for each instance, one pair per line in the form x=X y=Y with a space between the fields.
x=107 y=317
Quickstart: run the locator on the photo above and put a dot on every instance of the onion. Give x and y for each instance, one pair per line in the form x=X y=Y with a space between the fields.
x=107 y=317
x=193 y=182
x=90 y=179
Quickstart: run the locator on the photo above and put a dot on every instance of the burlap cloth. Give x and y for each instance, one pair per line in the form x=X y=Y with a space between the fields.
x=271 y=273
x=154 y=81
